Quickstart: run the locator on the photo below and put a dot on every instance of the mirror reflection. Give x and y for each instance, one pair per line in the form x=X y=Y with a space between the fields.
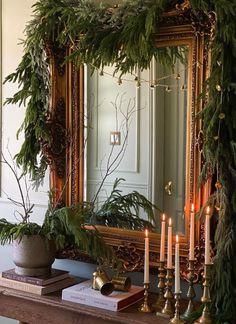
x=136 y=129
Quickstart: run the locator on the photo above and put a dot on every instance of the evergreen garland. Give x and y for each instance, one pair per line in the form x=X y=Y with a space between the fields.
x=123 y=37
x=219 y=129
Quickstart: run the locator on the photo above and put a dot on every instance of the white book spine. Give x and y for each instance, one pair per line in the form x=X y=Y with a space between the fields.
x=90 y=301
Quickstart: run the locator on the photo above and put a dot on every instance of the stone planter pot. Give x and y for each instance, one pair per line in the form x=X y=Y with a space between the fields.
x=33 y=255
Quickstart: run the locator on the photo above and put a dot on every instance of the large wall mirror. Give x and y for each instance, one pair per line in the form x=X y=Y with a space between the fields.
x=150 y=121
x=160 y=141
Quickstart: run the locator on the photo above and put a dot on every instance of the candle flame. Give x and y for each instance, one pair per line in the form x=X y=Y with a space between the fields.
x=192 y=207
x=208 y=210
x=146 y=232
x=163 y=217
x=177 y=238
x=170 y=222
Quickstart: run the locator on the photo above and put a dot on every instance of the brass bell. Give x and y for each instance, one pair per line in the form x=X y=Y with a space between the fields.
x=121 y=283
x=102 y=283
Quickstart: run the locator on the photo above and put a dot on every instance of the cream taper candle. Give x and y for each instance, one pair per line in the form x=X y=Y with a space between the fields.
x=192 y=226
x=169 y=247
x=146 y=258
x=177 y=276
x=163 y=233
x=207 y=236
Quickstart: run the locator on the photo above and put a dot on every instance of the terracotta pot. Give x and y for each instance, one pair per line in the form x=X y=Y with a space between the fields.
x=33 y=255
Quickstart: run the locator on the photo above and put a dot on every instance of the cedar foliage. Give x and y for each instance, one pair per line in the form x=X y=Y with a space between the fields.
x=219 y=118
x=123 y=37
x=124 y=211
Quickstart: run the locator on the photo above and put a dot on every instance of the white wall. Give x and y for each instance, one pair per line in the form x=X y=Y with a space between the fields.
x=15 y=14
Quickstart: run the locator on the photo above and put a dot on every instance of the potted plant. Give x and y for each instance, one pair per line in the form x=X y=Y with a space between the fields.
x=35 y=246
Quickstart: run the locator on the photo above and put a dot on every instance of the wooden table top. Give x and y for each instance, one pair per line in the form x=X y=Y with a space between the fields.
x=50 y=309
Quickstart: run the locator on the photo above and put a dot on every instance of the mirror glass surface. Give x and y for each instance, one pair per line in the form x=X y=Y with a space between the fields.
x=136 y=129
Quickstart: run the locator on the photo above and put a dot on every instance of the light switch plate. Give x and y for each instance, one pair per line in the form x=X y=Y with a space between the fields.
x=115 y=138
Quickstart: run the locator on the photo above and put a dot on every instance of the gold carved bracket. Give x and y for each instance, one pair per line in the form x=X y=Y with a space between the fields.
x=183 y=15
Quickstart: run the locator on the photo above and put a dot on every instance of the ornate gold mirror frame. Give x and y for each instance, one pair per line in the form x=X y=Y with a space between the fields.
x=66 y=121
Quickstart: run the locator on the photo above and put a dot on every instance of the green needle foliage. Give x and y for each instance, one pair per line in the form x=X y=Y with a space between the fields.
x=219 y=118
x=10 y=231
x=65 y=226
x=124 y=211
x=123 y=37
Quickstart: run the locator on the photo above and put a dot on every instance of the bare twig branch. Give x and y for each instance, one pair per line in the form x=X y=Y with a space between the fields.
x=25 y=200
x=113 y=163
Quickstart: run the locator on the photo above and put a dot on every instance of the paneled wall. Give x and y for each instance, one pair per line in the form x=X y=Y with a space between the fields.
x=125 y=109
x=150 y=123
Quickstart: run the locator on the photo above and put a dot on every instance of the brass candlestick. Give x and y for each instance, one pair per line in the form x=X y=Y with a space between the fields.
x=206 y=299
x=191 y=292
x=145 y=308
x=176 y=319
x=159 y=305
x=168 y=308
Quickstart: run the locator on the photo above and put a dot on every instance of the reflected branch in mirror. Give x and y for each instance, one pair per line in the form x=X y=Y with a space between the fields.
x=113 y=162
x=125 y=211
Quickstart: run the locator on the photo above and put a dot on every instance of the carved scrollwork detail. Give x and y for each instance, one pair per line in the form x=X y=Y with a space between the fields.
x=55 y=150
x=58 y=54
x=199 y=141
x=199 y=253
x=204 y=24
x=131 y=257
x=185 y=5
x=199 y=260
x=183 y=14
x=72 y=253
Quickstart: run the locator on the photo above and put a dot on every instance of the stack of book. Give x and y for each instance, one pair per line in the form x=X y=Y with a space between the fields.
x=56 y=280
x=83 y=293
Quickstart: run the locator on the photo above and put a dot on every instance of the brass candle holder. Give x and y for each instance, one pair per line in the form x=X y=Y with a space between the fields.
x=206 y=299
x=145 y=307
x=168 y=308
x=191 y=292
x=160 y=303
x=176 y=319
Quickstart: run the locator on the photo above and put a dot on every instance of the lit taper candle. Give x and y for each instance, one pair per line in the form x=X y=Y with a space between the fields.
x=207 y=236
x=163 y=233
x=146 y=258
x=192 y=226
x=177 y=276
x=169 y=247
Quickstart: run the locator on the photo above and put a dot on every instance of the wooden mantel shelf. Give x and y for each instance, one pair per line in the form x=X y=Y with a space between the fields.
x=50 y=309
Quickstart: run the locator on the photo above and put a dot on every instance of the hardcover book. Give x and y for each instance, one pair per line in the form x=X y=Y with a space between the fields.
x=83 y=293
x=55 y=275
x=35 y=289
